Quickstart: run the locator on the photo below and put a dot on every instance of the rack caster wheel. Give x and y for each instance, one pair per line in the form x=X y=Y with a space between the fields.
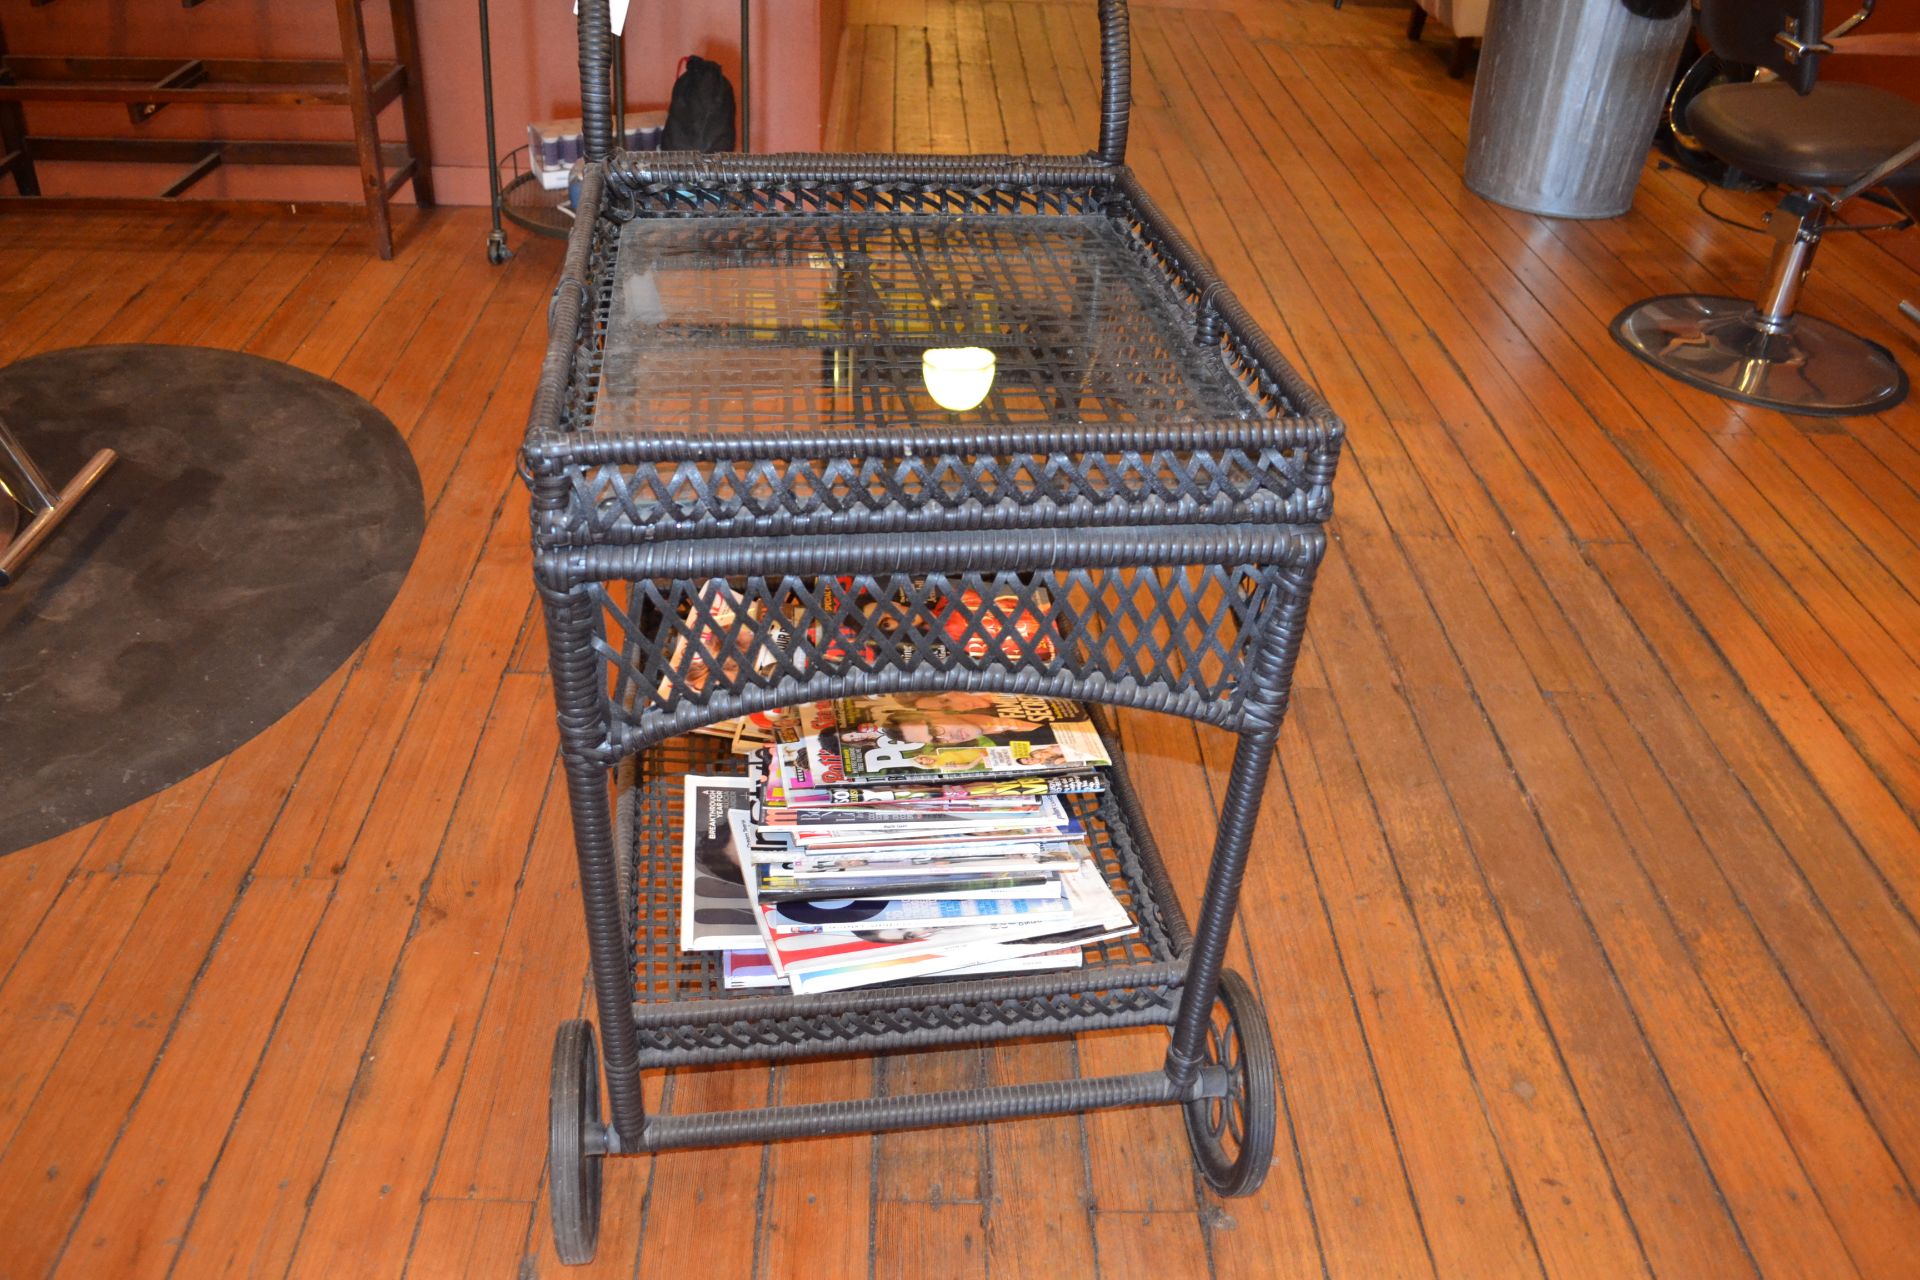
x=497 y=251
x=573 y=1143
x=1232 y=1137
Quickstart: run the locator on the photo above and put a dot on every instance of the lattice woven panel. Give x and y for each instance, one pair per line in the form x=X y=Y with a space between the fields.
x=1173 y=638
x=815 y=492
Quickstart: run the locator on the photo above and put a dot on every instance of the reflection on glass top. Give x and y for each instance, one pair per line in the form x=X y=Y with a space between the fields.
x=729 y=325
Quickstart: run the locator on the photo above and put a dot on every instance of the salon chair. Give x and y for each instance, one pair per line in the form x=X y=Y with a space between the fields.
x=1828 y=144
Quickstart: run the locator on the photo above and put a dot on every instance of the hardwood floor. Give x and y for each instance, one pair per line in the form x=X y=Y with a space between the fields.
x=1584 y=910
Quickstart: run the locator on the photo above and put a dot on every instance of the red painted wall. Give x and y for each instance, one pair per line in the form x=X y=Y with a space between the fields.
x=535 y=74
x=1902 y=75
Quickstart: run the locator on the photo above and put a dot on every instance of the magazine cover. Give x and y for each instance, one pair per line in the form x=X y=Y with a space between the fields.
x=779 y=884
x=811 y=958
x=711 y=641
x=902 y=843
x=865 y=964
x=1050 y=859
x=966 y=795
x=884 y=821
x=751 y=970
x=715 y=912
x=938 y=736
x=848 y=915
x=742 y=970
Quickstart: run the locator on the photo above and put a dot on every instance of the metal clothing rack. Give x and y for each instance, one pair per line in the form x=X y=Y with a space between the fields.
x=518 y=197
x=732 y=392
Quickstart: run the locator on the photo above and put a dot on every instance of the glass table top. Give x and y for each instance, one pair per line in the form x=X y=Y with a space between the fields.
x=728 y=325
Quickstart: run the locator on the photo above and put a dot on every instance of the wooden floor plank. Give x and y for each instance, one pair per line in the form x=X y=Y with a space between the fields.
x=946 y=104
x=120 y=1034
x=41 y=1002
x=1564 y=1185
x=1814 y=649
x=873 y=123
x=198 y=260
x=137 y=259
x=218 y=289
x=913 y=87
x=1176 y=788
x=470 y=1238
x=1039 y=1210
x=981 y=102
x=279 y=279
x=1147 y=1243
x=139 y=1206
x=282 y=1139
x=309 y=301
x=818 y=1207
x=1338 y=1118
x=1820 y=851
x=711 y=1202
x=1459 y=1175
x=49 y=272
x=38 y=253
x=932 y=1165
x=31 y=880
x=943 y=1241
x=497 y=1136
x=381 y=1158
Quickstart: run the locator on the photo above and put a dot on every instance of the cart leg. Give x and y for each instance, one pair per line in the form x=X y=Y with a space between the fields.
x=1238 y=813
x=1269 y=675
x=576 y=695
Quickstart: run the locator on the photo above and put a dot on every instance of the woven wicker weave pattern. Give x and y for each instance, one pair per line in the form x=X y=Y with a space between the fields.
x=1173 y=638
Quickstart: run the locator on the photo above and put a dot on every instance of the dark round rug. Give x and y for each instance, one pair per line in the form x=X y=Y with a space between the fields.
x=253 y=532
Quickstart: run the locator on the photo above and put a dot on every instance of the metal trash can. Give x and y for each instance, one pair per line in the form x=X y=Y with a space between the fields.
x=1566 y=100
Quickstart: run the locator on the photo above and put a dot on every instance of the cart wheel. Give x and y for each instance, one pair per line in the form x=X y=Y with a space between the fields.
x=497 y=251
x=1232 y=1137
x=573 y=1113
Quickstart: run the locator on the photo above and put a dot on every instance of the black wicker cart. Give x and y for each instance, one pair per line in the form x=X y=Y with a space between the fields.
x=734 y=391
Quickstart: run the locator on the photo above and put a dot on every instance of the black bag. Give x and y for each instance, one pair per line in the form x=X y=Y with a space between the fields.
x=700 y=117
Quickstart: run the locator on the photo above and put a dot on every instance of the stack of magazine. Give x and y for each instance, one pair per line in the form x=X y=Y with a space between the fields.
x=898 y=837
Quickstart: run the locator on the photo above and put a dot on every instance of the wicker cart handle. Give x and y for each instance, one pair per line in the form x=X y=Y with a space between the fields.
x=1116 y=80
x=596 y=94
x=596 y=102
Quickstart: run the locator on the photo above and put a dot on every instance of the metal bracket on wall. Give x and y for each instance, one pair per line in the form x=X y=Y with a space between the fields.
x=184 y=76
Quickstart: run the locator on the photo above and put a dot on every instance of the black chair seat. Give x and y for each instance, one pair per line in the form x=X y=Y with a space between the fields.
x=1826 y=139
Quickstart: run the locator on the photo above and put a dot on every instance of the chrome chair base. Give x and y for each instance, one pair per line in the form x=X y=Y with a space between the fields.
x=1717 y=344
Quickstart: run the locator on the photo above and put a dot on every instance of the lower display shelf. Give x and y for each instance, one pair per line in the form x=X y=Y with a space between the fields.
x=685 y=1014
x=525 y=203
